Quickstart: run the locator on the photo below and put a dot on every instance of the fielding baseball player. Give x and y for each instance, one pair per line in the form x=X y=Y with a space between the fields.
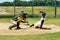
x=41 y=21
x=25 y=17
x=16 y=21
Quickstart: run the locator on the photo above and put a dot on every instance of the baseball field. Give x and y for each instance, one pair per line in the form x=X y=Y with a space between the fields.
x=50 y=31
x=31 y=33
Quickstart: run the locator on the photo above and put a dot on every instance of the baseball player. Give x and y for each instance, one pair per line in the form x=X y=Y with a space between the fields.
x=25 y=17
x=41 y=21
x=16 y=21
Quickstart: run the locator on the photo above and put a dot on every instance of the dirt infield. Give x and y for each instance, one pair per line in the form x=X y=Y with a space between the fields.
x=27 y=31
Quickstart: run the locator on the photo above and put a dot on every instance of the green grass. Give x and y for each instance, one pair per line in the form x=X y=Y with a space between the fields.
x=5 y=20
x=55 y=21
x=52 y=36
x=51 y=21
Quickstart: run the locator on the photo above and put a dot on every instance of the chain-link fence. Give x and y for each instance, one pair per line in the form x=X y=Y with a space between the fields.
x=10 y=11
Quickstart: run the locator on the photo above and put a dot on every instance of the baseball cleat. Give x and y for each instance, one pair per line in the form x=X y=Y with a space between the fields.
x=10 y=28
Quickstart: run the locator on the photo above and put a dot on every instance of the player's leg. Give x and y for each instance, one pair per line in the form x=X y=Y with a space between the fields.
x=41 y=23
x=26 y=20
x=36 y=24
x=18 y=23
x=12 y=26
x=31 y=25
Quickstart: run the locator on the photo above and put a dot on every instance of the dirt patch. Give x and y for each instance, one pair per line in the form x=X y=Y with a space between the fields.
x=26 y=30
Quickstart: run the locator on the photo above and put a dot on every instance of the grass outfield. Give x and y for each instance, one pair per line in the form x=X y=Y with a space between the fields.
x=53 y=36
x=55 y=21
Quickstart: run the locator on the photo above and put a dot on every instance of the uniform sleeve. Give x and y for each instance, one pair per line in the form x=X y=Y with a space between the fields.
x=15 y=18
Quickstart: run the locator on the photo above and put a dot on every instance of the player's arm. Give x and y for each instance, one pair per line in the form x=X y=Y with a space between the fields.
x=19 y=18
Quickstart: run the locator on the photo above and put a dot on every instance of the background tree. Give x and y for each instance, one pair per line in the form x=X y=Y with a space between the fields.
x=17 y=2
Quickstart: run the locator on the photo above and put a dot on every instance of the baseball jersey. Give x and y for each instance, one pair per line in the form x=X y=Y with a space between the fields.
x=17 y=18
x=24 y=15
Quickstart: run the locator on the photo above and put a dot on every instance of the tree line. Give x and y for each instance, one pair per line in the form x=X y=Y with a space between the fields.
x=30 y=3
